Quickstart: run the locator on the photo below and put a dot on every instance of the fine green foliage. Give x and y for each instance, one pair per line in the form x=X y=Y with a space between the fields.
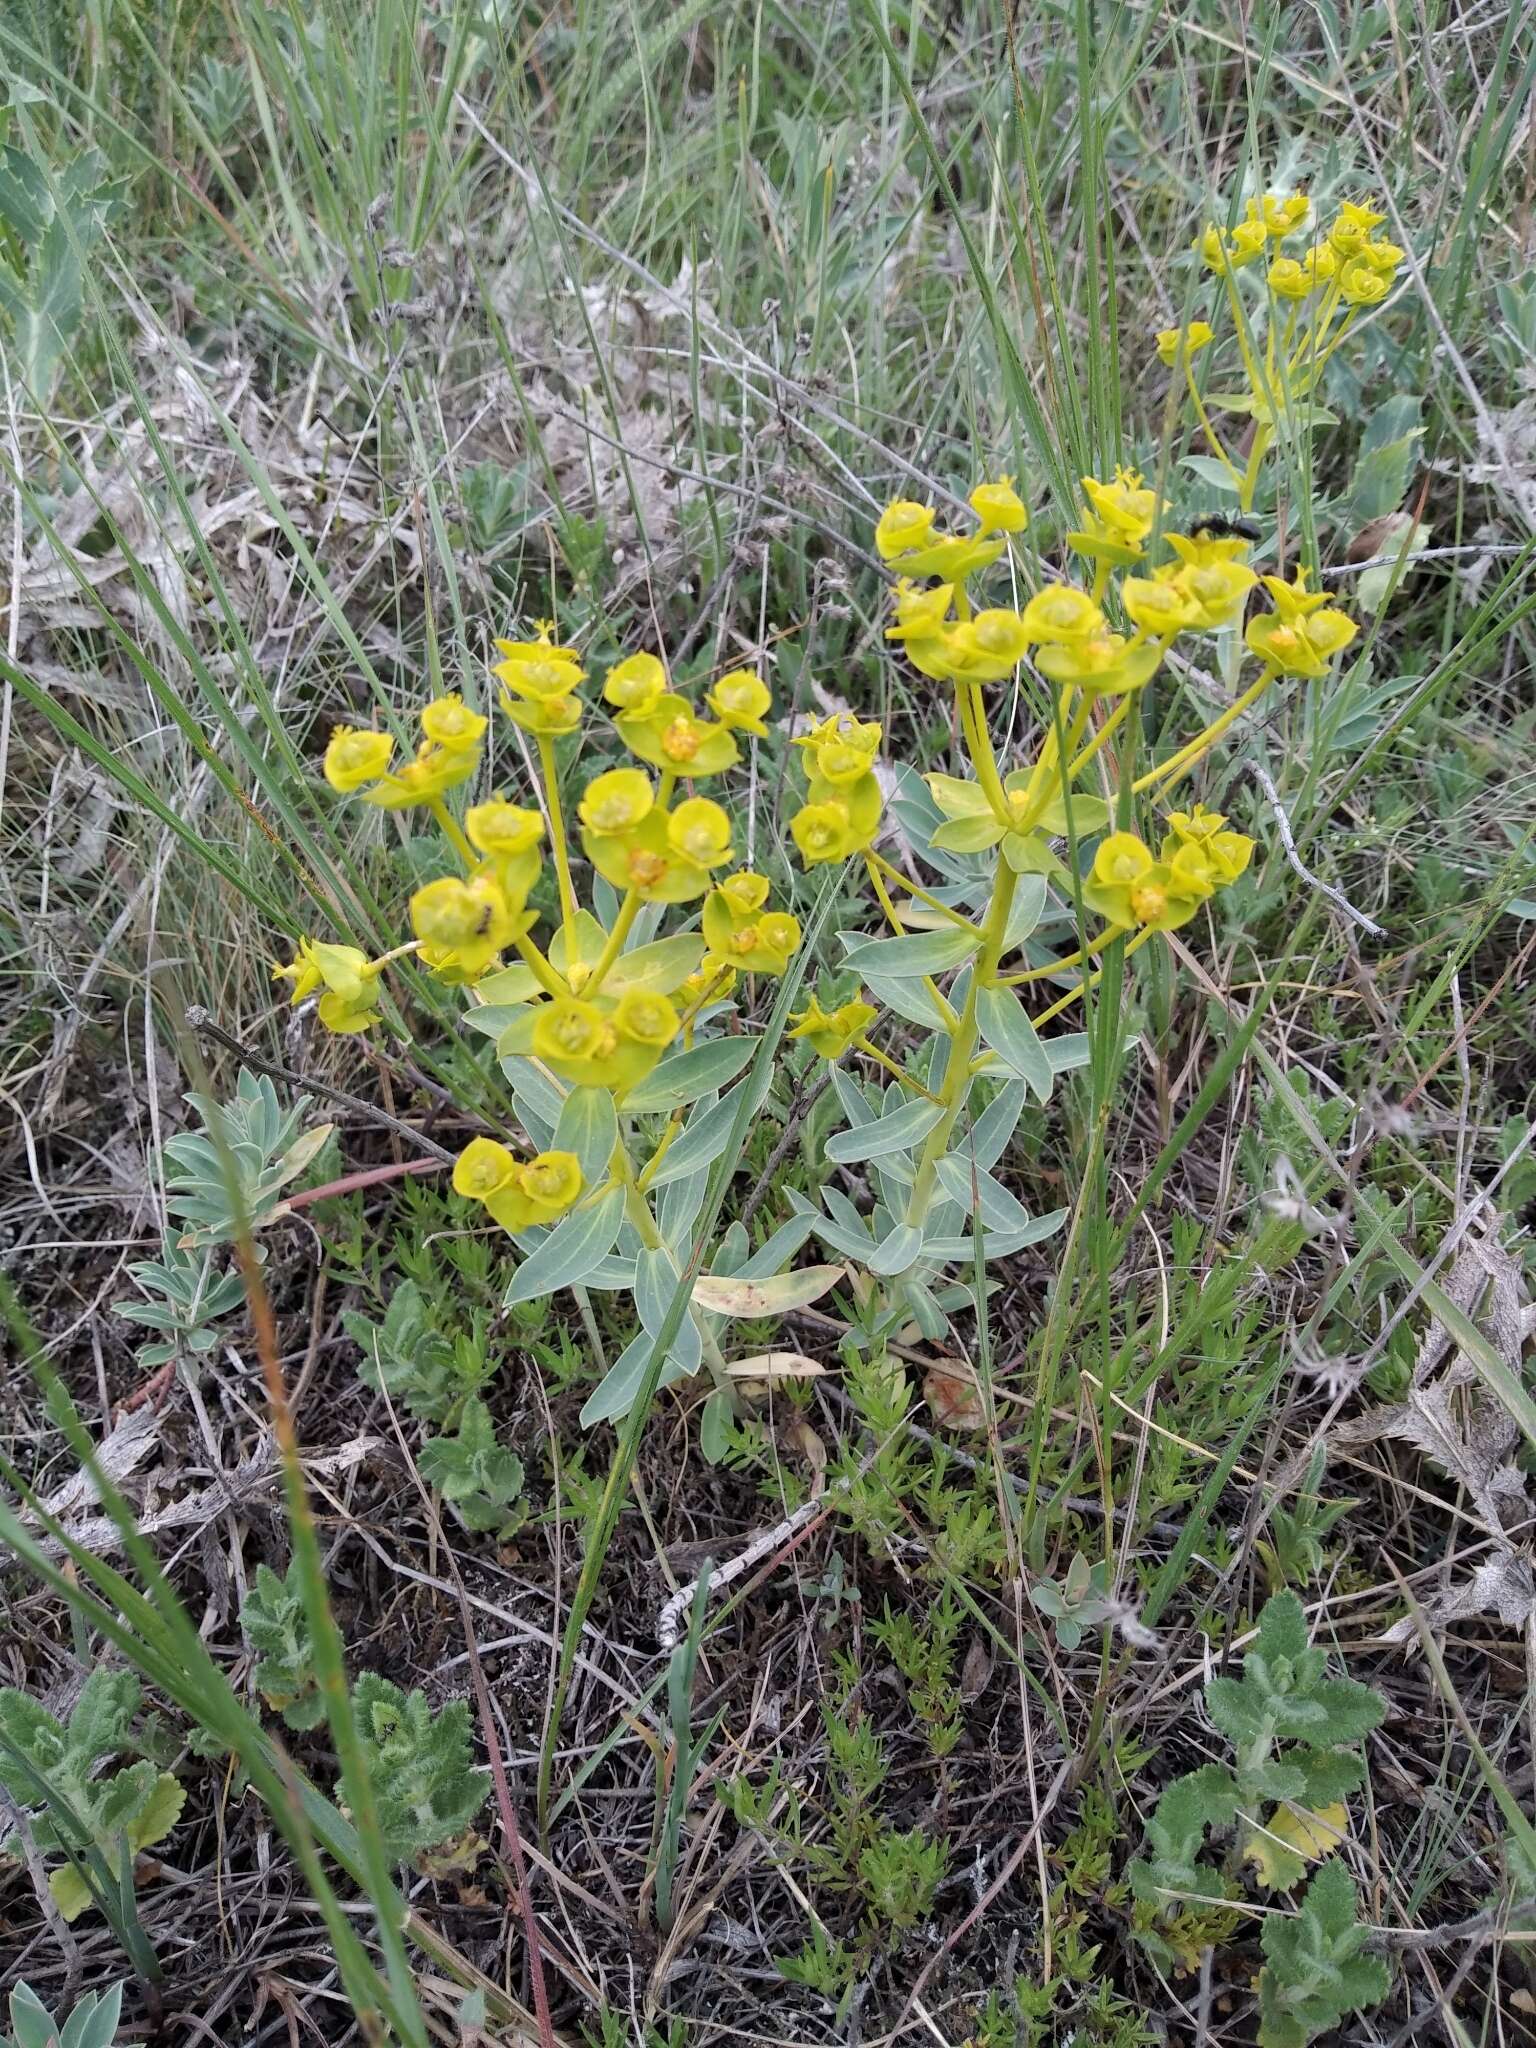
x=410 y=1357
x=228 y=1178
x=1315 y=1971
x=1294 y=1733
x=99 y=1823
x=479 y=1477
x=274 y=1620
x=92 y=2024
x=426 y=1790
x=924 y=1651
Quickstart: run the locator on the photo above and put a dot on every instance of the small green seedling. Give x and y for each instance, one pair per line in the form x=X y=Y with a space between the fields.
x=273 y=1618
x=98 y=1823
x=426 y=1790
x=92 y=2024
x=473 y=1472
x=1079 y=1603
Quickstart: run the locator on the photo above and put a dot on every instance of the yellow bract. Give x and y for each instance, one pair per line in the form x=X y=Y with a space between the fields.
x=449 y=722
x=462 y=926
x=348 y=976
x=1130 y=889
x=1061 y=614
x=1159 y=608
x=636 y=684
x=1303 y=632
x=1208 y=577
x=740 y=933
x=838 y=820
x=903 y=527
x=1105 y=664
x=842 y=747
x=1178 y=344
x=665 y=856
x=517 y=1194
x=670 y=736
x=432 y=774
x=740 y=701
x=831 y=1032
x=989 y=646
x=354 y=758
x=597 y=1044
x=503 y=829
x=1121 y=515
x=998 y=507
x=616 y=801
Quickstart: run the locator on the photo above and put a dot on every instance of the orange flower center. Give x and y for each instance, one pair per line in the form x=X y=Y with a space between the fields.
x=646 y=869
x=680 y=742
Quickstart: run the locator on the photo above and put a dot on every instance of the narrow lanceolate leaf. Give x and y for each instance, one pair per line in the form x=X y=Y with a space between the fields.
x=915 y=954
x=656 y=1278
x=572 y=1250
x=726 y=1294
x=685 y=1076
x=1006 y=1028
x=589 y=1128
x=898 y=1132
x=974 y=1188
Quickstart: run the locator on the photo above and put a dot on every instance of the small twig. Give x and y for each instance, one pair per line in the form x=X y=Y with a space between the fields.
x=199 y=1021
x=365 y=1177
x=799 y=1110
x=669 y=1621
x=1287 y=840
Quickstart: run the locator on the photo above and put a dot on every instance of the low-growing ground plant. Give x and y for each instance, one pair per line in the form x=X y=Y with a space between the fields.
x=1294 y=1733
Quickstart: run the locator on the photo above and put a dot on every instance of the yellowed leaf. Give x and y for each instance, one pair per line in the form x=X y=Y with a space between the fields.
x=775 y=1365
x=1306 y=1834
x=722 y=1295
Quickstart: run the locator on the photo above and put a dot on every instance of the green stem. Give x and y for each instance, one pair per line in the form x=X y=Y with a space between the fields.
x=629 y=910
x=875 y=860
x=557 y=840
x=873 y=1052
x=1262 y=436
x=453 y=832
x=543 y=973
x=1186 y=757
x=956 y=1083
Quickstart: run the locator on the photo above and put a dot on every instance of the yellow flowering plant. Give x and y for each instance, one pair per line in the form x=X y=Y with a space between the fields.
x=1290 y=289
x=624 y=1029
x=624 y=1048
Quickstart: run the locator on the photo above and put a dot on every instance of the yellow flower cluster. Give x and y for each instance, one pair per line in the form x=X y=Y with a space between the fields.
x=650 y=845
x=1349 y=258
x=350 y=980
x=1130 y=889
x=517 y=1193
x=841 y=813
x=357 y=762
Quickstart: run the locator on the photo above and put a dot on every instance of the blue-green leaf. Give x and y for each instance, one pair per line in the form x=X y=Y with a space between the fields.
x=589 y=1128
x=914 y=954
x=685 y=1076
x=898 y=1132
x=1006 y=1028
x=898 y=1250
x=572 y=1250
